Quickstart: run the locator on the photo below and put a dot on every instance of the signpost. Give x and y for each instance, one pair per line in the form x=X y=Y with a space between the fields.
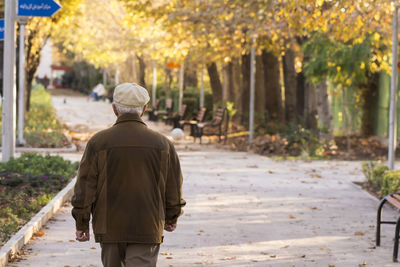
x=25 y=8
x=8 y=107
x=1 y=29
x=37 y=8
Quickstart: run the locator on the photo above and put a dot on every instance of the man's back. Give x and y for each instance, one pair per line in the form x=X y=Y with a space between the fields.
x=137 y=169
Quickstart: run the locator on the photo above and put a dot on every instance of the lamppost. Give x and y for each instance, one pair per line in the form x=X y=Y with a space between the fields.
x=393 y=92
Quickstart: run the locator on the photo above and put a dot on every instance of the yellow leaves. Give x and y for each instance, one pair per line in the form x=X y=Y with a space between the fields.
x=376 y=36
x=362 y=65
x=338 y=68
x=319 y=3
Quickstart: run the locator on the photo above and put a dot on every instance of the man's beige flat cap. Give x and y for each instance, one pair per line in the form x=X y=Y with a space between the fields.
x=130 y=95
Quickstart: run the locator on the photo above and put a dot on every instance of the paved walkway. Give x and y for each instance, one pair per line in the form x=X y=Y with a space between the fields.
x=247 y=210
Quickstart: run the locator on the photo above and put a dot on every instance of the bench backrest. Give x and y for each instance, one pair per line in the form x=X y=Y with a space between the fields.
x=201 y=114
x=219 y=115
x=157 y=104
x=182 y=110
x=168 y=104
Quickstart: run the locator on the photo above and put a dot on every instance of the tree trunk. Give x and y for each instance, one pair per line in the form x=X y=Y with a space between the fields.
x=324 y=111
x=141 y=71
x=289 y=75
x=370 y=96
x=215 y=82
x=190 y=76
x=273 y=93
x=300 y=94
x=259 y=89
x=310 y=106
x=245 y=88
x=235 y=88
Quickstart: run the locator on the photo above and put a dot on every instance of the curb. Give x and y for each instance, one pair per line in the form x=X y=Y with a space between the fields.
x=22 y=237
x=71 y=149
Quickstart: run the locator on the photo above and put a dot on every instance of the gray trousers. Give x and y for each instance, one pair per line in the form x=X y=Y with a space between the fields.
x=129 y=255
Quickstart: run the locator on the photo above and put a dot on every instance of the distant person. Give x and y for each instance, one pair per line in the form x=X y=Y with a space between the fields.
x=97 y=92
x=46 y=81
x=130 y=181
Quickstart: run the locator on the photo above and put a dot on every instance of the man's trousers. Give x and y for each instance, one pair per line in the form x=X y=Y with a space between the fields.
x=129 y=255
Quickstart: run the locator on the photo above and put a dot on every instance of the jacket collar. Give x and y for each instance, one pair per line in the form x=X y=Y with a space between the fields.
x=129 y=117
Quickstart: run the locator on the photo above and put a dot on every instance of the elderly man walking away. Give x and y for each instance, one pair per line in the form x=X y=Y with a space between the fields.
x=130 y=180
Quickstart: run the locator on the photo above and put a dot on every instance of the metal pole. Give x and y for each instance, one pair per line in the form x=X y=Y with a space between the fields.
x=181 y=82
x=393 y=93
x=154 y=91
x=252 y=91
x=117 y=75
x=8 y=107
x=21 y=82
x=104 y=78
x=202 y=86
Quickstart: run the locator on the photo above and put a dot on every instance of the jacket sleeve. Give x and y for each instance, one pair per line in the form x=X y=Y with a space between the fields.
x=85 y=189
x=173 y=194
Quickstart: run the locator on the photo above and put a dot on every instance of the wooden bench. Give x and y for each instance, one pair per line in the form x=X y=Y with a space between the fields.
x=176 y=118
x=221 y=116
x=201 y=114
x=169 y=109
x=153 y=111
x=393 y=199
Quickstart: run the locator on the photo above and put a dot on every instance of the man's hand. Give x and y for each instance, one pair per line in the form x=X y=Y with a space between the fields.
x=170 y=227
x=82 y=236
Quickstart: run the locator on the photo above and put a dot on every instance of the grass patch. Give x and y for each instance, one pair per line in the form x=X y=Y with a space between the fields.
x=42 y=129
x=26 y=185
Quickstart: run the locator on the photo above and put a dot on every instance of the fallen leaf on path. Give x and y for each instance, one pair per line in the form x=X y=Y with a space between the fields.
x=264 y=253
x=272 y=256
x=363 y=264
x=270 y=172
x=252 y=166
x=313 y=208
x=285 y=246
x=166 y=253
x=169 y=258
x=228 y=258
x=315 y=175
x=201 y=231
x=359 y=233
x=292 y=217
x=71 y=241
x=92 y=248
x=331 y=265
x=39 y=233
x=302 y=256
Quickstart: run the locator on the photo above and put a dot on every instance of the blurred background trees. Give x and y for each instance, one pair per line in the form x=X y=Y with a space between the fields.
x=321 y=64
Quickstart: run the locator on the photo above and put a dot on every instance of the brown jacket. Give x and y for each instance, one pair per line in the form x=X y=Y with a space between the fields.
x=130 y=180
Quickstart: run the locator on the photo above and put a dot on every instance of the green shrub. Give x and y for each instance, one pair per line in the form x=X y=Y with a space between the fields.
x=36 y=164
x=378 y=175
x=374 y=173
x=390 y=183
x=367 y=169
x=26 y=185
x=301 y=140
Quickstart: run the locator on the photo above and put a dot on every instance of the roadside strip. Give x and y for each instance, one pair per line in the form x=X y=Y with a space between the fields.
x=17 y=241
